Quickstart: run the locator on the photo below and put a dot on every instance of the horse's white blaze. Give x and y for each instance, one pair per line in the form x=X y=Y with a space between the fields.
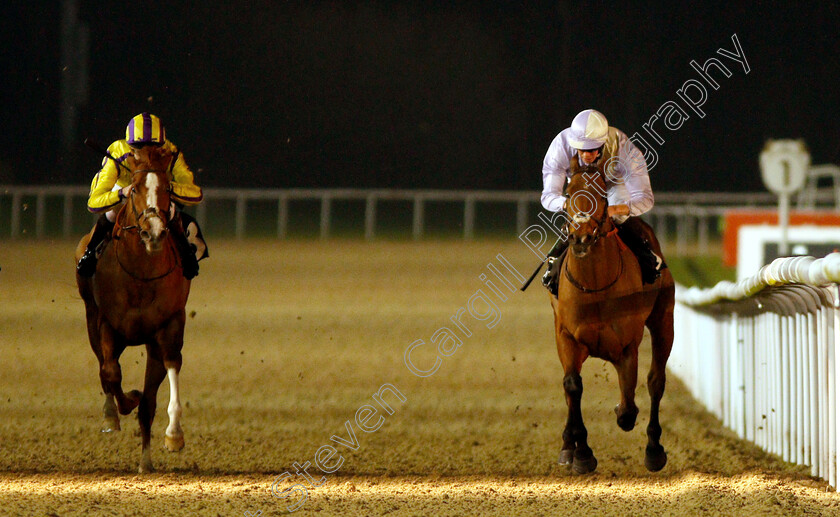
x=581 y=218
x=174 y=410
x=155 y=223
x=151 y=189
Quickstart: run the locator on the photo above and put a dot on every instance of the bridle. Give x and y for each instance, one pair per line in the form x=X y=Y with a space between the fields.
x=151 y=211
x=139 y=217
x=597 y=233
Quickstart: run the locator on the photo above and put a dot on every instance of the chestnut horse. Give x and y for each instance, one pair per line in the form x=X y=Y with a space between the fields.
x=137 y=296
x=601 y=310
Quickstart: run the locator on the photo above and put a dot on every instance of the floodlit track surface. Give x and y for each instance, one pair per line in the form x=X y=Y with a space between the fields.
x=287 y=340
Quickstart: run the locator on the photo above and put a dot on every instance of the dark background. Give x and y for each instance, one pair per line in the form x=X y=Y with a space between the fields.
x=431 y=94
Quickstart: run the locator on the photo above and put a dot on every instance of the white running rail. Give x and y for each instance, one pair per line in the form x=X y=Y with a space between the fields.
x=761 y=354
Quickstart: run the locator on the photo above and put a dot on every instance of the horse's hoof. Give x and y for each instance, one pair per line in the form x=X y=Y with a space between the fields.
x=566 y=457
x=133 y=397
x=146 y=468
x=174 y=443
x=655 y=458
x=110 y=426
x=626 y=420
x=584 y=466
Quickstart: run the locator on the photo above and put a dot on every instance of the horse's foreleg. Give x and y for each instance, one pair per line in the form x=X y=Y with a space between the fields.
x=110 y=416
x=661 y=325
x=628 y=373
x=110 y=373
x=155 y=373
x=575 y=450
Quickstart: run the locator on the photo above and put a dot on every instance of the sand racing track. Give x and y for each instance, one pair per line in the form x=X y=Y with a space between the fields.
x=286 y=341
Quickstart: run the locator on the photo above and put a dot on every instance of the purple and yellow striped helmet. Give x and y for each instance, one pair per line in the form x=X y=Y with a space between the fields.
x=145 y=129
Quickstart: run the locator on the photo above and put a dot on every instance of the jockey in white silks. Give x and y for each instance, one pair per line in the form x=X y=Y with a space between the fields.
x=629 y=195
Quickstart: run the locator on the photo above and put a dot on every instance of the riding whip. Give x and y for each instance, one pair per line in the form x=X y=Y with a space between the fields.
x=104 y=152
x=539 y=267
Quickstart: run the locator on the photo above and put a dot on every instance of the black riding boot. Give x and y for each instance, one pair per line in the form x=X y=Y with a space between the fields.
x=631 y=232
x=87 y=264
x=551 y=278
x=188 y=261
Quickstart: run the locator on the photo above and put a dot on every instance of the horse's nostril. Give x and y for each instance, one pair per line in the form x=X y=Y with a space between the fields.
x=144 y=235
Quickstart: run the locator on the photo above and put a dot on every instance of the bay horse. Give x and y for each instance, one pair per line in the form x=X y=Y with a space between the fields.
x=137 y=297
x=601 y=310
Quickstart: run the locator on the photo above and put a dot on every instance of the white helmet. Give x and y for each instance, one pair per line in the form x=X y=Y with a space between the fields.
x=589 y=130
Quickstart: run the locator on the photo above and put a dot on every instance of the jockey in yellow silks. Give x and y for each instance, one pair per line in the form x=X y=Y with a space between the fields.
x=111 y=186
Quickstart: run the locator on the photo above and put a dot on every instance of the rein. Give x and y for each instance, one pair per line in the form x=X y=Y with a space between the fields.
x=581 y=287
x=143 y=278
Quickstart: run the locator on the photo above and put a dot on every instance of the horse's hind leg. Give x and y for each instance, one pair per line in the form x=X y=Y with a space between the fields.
x=628 y=373
x=155 y=373
x=661 y=325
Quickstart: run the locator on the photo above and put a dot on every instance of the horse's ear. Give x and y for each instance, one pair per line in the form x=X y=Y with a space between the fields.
x=575 y=164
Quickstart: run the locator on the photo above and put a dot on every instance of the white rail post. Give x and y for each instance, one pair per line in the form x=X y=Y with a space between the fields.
x=800 y=430
x=787 y=339
x=734 y=373
x=662 y=228
x=16 y=211
x=282 y=216
x=241 y=209
x=776 y=381
x=326 y=204
x=469 y=217
x=40 y=214
x=370 y=217
x=834 y=384
x=749 y=378
x=813 y=394
x=418 y=215
x=67 y=220
x=703 y=231
x=682 y=232
x=521 y=215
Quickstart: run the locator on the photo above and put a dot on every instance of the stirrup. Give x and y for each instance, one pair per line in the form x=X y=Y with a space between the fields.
x=546 y=278
x=549 y=279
